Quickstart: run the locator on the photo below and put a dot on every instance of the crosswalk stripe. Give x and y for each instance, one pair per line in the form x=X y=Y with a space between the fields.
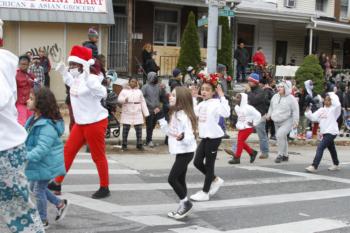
x=89 y=161
x=94 y=172
x=307 y=226
x=154 y=209
x=166 y=186
x=300 y=174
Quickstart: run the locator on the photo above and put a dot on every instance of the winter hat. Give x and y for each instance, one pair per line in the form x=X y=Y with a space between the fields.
x=220 y=68
x=1 y=33
x=189 y=69
x=176 y=72
x=92 y=32
x=81 y=55
x=254 y=77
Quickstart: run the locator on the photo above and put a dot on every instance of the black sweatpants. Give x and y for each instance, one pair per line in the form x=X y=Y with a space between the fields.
x=151 y=122
x=126 y=129
x=207 y=149
x=177 y=176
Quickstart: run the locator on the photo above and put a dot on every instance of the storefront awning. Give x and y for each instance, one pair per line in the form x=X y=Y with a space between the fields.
x=321 y=25
x=196 y=3
x=57 y=16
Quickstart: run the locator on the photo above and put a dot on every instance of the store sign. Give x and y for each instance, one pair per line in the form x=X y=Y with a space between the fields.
x=91 y=6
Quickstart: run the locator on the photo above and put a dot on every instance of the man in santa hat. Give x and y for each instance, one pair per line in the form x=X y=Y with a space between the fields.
x=91 y=119
x=16 y=207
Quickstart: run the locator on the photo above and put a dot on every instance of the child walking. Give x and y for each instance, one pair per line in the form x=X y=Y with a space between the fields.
x=45 y=151
x=182 y=143
x=248 y=118
x=133 y=110
x=209 y=112
x=327 y=118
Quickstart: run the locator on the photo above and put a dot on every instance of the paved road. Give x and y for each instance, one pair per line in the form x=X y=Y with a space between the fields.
x=258 y=198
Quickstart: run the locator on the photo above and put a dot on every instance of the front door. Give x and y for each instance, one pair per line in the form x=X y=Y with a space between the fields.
x=281 y=52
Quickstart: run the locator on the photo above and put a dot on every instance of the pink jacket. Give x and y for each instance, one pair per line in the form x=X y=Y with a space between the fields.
x=135 y=108
x=25 y=82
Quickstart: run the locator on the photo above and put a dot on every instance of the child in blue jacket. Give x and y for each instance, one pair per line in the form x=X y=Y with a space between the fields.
x=45 y=151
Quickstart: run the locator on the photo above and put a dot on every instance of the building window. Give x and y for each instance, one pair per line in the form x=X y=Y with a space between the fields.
x=166 y=27
x=321 y=5
x=344 y=6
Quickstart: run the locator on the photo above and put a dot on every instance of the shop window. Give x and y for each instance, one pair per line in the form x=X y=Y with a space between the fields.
x=166 y=27
x=344 y=6
x=321 y=5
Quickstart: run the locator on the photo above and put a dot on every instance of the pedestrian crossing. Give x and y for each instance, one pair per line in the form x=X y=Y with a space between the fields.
x=141 y=200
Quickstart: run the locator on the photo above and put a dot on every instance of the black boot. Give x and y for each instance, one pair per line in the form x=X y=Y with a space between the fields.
x=234 y=160
x=55 y=188
x=253 y=156
x=101 y=193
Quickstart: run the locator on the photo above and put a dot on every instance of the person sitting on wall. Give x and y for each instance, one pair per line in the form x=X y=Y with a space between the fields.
x=92 y=42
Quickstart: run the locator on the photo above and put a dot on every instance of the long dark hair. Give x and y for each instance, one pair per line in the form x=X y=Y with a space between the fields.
x=46 y=104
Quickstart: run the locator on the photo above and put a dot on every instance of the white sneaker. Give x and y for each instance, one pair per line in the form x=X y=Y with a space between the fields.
x=334 y=168
x=311 y=169
x=215 y=185
x=200 y=196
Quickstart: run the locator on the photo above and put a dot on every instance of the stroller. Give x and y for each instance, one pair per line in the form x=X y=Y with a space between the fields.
x=110 y=103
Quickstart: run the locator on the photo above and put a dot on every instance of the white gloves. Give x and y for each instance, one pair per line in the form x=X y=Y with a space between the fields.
x=61 y=68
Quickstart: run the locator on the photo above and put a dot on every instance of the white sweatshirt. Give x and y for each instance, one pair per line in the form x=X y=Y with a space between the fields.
x=327 y=116
x=86 y=92
x=246 y=114
x=12 y=134
x=209 y=113
x=179 y=123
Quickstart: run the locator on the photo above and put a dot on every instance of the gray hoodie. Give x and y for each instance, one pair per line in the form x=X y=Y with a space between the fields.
x=284 y=107
x=151 y=92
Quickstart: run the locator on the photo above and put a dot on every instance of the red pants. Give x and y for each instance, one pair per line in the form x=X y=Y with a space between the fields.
x=94 y=135
x=241 y=144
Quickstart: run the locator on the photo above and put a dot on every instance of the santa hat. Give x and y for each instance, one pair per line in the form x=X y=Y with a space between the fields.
x=92 y=32
x=81 y=55
x=1 y=33
x=254 y=77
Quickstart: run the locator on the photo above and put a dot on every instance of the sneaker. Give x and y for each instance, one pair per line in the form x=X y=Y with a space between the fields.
x=55 y=188
x=278 y=159
x=62 y=211
x=334 y=168
x=149 y=144
x=230 y=152
x=253 y=156
x=124 y=147
x=200 y=196
x=101 y=193
x=264 y=156
x=285 y=158
x=273 y=138
x=234 y=160
x=184 y=211
x=311 y=169
x=215 y=185
x=46 y=224
x=140 y=147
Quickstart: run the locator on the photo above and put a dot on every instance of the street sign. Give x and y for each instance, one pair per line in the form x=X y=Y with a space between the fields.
x=227 y=12
x=219 y=3
x=202 y=22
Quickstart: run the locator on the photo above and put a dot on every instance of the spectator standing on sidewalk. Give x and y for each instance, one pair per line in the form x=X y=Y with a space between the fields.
x=258 y=99
x=25 y=83
x=45 y=63
x=284 y=111
x=38 y=71
x=259 y=61
x=14 y=187
x=242 y=56
x=92 y=42
x=134 y=109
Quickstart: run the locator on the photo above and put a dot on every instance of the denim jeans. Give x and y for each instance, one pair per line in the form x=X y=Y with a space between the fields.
x=241 y=72
x=327 y=142
x=263 y=140
x=42 y=195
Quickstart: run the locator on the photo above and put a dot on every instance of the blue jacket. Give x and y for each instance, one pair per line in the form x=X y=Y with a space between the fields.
x=45 y=149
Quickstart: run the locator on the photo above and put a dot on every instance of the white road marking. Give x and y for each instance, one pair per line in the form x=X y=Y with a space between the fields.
x=304 y=215
x=162 y=209
x=94 y=172
x=89 y=161
x=292 y=173
x=166 y=186
x=307 y=226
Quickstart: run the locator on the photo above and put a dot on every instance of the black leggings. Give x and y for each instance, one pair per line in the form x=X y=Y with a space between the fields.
x=207 y=150
x=177 y=176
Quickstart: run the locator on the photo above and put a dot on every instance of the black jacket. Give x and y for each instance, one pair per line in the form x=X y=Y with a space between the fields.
x=258 y=99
